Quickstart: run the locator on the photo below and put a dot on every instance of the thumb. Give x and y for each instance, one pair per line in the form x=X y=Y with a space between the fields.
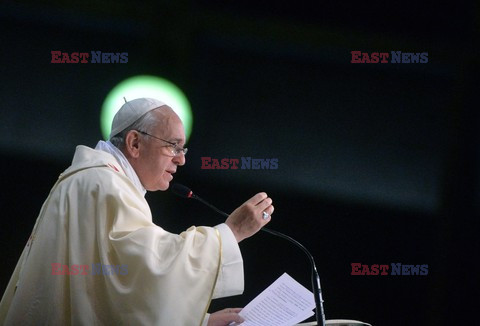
x=233 y=320
x=236 y=318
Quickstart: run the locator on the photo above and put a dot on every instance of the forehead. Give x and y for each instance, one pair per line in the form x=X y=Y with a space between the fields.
x=169 y=125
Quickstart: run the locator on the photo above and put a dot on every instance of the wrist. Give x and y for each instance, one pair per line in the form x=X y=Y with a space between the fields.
x=235 y=232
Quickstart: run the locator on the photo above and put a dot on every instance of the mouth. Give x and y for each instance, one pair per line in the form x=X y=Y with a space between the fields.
x=170 y=172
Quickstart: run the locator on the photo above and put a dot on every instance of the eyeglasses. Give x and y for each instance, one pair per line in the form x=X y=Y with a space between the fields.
x=174 y=148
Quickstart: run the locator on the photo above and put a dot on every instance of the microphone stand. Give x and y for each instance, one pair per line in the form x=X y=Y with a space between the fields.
x=317 y=290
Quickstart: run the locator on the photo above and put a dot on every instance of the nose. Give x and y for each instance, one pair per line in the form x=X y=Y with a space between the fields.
x=179 y=160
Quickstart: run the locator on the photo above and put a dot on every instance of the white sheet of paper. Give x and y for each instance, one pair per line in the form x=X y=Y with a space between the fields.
x=284 y=303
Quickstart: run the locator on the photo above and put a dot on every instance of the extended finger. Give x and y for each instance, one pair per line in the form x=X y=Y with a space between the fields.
x=255 y=200
x=270 y=210
x=264 y=204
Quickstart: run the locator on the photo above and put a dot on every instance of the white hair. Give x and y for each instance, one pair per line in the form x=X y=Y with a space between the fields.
x=145 y=123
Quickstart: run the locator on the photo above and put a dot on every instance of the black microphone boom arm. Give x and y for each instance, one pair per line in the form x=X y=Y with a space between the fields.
x=185 y=192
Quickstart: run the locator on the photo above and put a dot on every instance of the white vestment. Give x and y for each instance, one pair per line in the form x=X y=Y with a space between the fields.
x=124 y=270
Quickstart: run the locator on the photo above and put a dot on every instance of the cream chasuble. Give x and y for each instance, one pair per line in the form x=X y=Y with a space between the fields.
x=96 y=258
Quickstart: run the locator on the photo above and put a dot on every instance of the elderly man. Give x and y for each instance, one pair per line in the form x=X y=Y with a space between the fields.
x=96 y=258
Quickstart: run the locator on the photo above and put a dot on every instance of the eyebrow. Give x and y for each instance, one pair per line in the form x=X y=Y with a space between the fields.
x=177 y=140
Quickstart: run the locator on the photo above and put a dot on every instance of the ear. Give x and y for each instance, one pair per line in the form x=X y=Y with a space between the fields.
x=132 y=141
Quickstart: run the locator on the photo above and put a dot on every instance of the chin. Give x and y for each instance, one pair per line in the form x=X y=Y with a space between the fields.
x=164 y=186
x=159 y=187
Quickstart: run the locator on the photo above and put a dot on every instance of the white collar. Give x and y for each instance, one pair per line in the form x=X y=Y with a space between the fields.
x=122 y=160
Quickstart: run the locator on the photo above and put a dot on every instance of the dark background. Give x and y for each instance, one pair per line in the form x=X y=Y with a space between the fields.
x=378 y=163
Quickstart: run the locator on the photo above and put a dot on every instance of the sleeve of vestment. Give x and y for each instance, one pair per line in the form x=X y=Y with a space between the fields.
x=171 y=277
x=230 y=280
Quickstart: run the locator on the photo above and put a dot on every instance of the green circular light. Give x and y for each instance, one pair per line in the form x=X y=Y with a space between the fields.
x=145 y=86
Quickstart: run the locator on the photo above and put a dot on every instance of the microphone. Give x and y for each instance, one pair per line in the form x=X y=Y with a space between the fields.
x=185 y=192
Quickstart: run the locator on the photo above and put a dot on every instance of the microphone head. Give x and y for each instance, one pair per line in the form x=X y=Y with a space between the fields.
x=181 y=190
